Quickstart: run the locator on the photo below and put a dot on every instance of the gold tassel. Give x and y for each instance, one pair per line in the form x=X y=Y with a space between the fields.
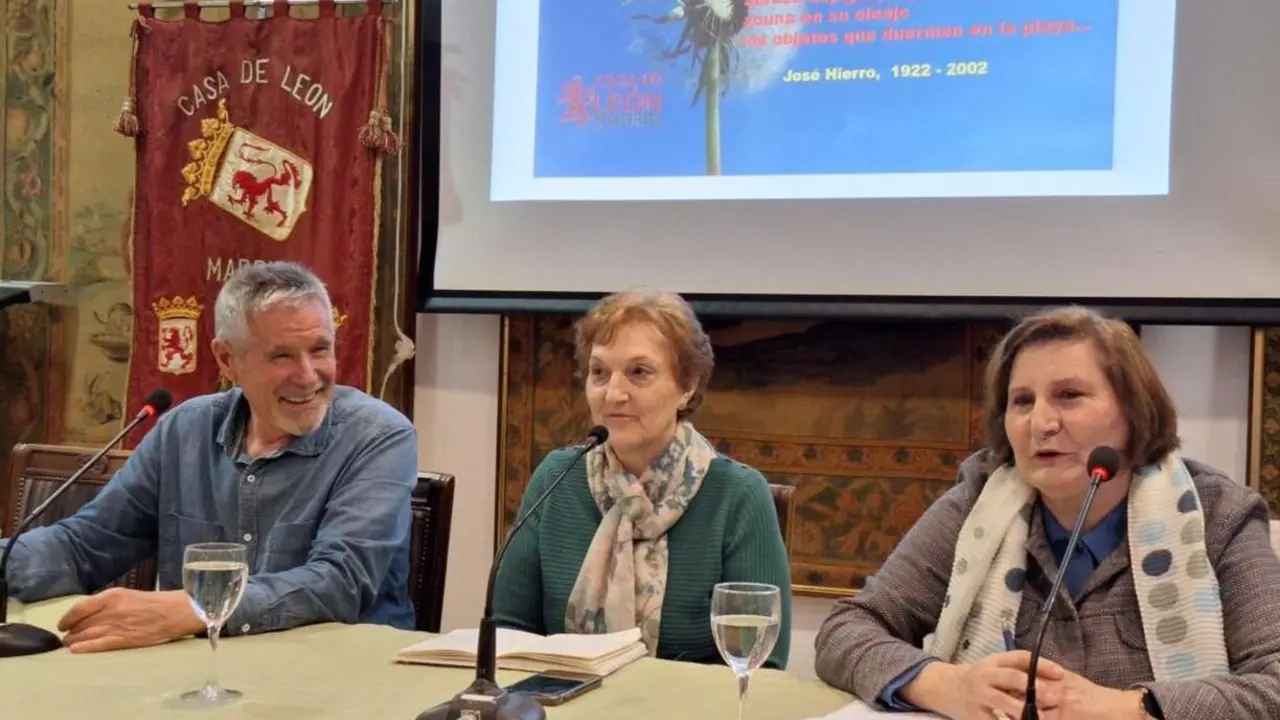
x=126 y=123
x=371 y=133
x=390 y=141
x=377 y=134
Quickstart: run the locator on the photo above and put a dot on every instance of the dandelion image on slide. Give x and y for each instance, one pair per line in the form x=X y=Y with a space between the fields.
x=724 y=47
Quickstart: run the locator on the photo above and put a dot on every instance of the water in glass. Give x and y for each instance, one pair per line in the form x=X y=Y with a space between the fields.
x=214 y=577
x=214 y=588
x=745 y=621
x=745 y=641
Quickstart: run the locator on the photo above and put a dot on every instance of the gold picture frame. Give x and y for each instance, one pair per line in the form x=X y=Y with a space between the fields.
x=1264 y=415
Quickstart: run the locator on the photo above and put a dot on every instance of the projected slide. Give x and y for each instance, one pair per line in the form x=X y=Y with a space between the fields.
x=729 y=99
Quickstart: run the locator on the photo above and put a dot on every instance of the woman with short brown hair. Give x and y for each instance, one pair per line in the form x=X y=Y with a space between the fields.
x=639 y=534
x=1169 y=604
x=1153 y=420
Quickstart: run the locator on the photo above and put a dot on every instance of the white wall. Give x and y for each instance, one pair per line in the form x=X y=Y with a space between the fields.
x=456 y=411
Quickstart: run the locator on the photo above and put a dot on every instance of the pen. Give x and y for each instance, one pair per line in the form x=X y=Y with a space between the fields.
x=1009 y=645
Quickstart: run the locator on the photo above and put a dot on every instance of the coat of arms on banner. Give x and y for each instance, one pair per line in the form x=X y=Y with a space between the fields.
x=177 y=334
x=250 y=177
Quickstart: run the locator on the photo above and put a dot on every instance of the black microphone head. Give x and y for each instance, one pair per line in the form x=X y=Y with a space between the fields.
x=158 y=400
x=1104 y=462
x=597 y=435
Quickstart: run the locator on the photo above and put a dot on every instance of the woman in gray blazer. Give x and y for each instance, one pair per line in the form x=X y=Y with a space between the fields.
x=1170 y=605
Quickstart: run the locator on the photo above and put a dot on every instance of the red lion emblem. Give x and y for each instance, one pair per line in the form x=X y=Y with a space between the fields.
x=174 y=343
x=253 y=189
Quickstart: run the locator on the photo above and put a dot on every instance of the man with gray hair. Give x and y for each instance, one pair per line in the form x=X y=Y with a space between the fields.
x=313 y=477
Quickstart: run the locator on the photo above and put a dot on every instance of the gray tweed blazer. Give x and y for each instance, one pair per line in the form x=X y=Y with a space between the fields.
x=870 y=639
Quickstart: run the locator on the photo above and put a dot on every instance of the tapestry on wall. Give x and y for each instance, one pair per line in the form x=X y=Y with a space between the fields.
x=257 y=139
x=868 y=421
x=33 y=220
x=1264 y=417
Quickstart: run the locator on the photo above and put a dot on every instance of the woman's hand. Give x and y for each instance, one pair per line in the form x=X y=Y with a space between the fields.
x=977 y=691
x=1080 y=699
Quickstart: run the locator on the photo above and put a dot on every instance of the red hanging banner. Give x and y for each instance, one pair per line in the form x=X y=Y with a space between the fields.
x=257 y=140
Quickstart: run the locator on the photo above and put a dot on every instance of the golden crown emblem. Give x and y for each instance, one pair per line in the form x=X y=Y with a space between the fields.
x=205 y=153
x=338 y=320
x=177 y=308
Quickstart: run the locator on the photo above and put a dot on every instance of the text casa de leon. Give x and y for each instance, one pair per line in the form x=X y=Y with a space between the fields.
x=298 y=85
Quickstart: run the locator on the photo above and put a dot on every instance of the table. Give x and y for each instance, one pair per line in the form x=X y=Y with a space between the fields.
x=335 y=671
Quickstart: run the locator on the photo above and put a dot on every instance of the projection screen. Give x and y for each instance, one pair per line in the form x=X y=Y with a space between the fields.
x=831 y=151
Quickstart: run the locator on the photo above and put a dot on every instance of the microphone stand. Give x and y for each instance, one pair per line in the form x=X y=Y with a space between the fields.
x=484 y=699
x=1029 y=709
x=19 y=639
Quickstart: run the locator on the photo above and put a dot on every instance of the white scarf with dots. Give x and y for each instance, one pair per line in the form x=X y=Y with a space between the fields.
x=1177 y=589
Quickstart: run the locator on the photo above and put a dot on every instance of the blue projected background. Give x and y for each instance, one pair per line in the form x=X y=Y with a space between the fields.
x=868 y=87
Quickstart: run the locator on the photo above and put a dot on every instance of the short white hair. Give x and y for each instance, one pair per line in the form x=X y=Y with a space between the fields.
x=255 y=287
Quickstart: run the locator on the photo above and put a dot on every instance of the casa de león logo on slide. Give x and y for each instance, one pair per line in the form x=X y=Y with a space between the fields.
x=250 y=177
x=612 y=100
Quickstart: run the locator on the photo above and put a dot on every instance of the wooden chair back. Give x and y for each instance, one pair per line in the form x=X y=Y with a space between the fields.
x=429 y=558
x=782 y=495
x=37 y=470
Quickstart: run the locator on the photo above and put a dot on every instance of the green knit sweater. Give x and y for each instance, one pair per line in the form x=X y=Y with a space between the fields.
x=728 y=533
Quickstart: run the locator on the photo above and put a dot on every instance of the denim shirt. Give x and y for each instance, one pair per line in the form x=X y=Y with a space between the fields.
x=326 y=519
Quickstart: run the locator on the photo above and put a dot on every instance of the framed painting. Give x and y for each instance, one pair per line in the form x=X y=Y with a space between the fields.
x=1264 y=416
x=868 y=421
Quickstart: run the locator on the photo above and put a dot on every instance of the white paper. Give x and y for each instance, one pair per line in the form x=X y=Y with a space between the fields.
x=860 y=711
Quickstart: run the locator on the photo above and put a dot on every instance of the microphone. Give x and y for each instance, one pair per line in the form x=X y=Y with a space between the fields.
x=1104 y=463
x=18 y=639
x=484 y=699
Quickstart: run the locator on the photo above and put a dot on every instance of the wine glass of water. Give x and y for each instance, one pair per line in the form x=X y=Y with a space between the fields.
x=214 y=576
x=745 y=620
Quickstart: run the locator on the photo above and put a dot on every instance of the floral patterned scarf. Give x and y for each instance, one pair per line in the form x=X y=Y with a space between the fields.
x=624 y=575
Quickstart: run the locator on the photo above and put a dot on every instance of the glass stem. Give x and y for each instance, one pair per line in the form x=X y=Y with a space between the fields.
x=744 y=679
x=212 y=682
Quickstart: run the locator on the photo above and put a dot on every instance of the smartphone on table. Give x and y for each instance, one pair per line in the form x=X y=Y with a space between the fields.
x=555 y=688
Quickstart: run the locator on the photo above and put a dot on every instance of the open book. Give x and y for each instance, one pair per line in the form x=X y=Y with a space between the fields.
x=517 y=650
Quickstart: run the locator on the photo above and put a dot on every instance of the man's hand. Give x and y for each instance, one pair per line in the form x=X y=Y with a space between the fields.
x=117 y=619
